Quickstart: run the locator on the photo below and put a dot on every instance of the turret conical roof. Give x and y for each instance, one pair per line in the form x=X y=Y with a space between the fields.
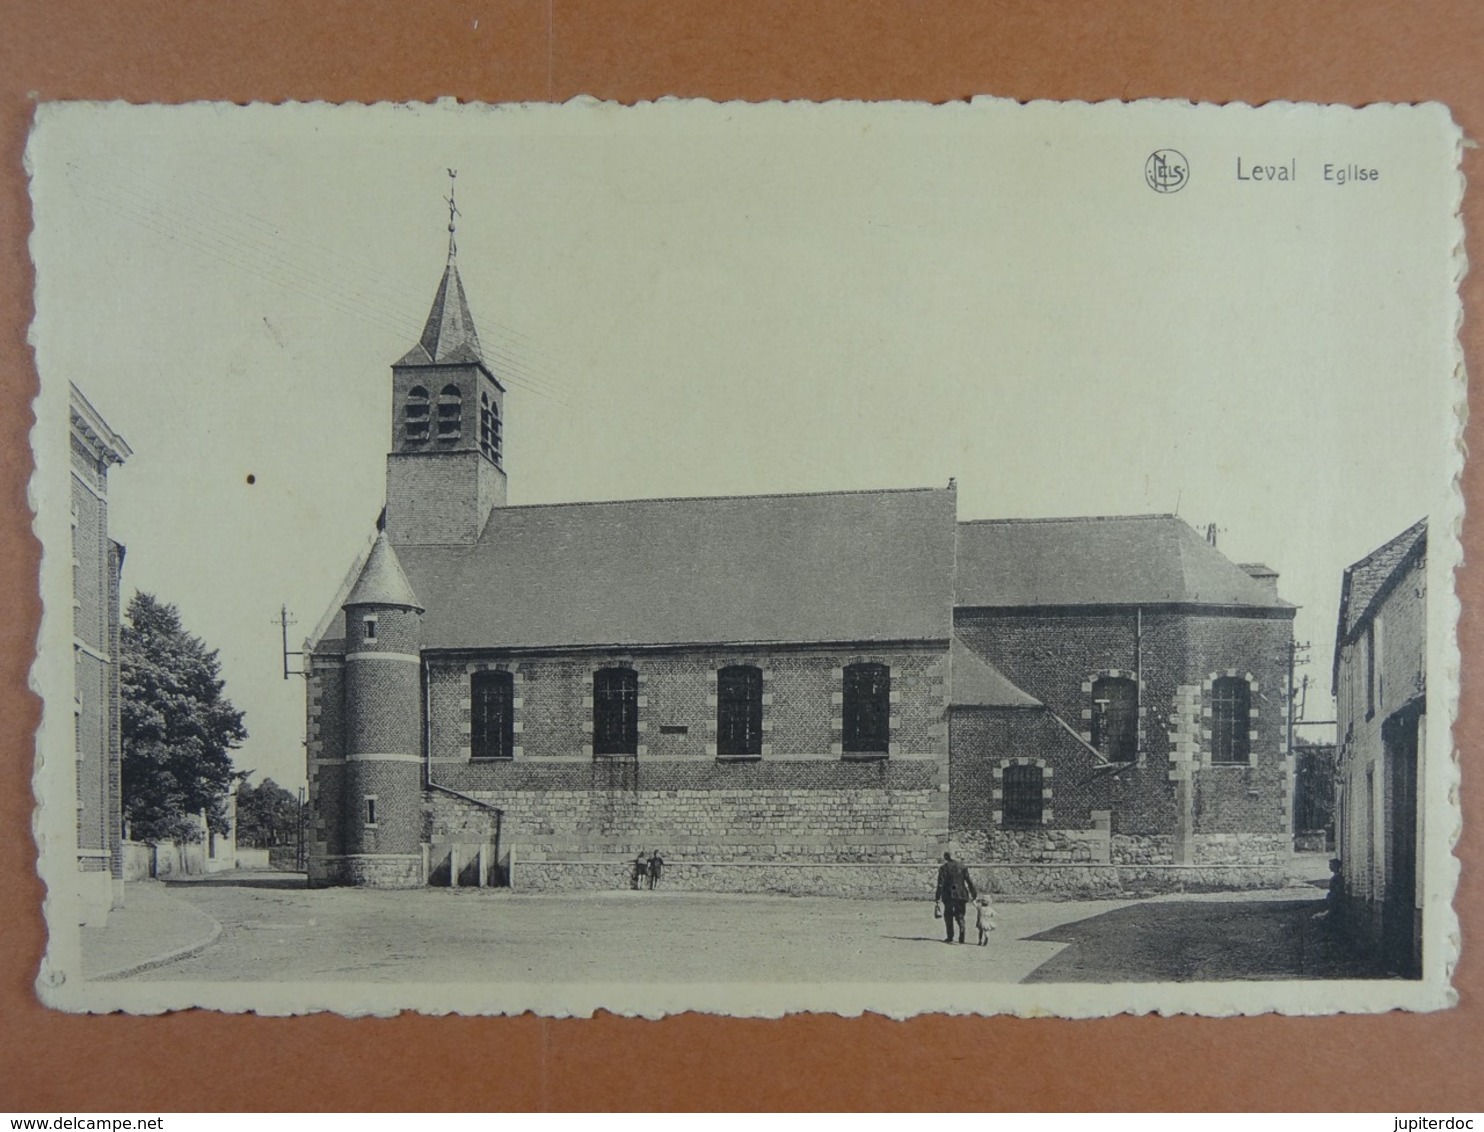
x=448 y=336
x=382 y=581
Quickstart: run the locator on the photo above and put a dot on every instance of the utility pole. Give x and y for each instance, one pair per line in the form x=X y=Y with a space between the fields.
x=283 y=621
x=1295 y=649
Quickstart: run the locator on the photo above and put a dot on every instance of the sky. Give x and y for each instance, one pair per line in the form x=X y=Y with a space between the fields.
x=701 y=299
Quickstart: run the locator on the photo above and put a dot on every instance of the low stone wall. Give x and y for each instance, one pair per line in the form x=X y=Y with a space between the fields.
x=1142 y=849
x=1076 y=882
x=1044 y=881
x=165 y=859
x=370 y=872
x=1013 y=846
x=1242 y=848
x=1098 y=847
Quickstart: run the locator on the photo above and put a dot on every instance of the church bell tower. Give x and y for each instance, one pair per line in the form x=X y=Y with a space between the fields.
x=445 y=471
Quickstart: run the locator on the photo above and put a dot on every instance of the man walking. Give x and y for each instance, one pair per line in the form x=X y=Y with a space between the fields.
x=955 y=890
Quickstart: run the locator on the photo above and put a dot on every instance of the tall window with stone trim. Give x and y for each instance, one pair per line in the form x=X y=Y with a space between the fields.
x=1115 y=718
x=739 y=710
x=615 y=711
x=1021 y=788
x=492 y=715
x=866 y=712
x=1231 y=720
x=415 y=414
x=450 y=413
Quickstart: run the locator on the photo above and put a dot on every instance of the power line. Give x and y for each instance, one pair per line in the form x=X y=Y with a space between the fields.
x=251 y=254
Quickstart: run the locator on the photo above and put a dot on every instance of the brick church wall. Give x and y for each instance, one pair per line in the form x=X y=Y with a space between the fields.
x=1237 y=813
x=325 y=731
x=800 y=800
x=982 y=742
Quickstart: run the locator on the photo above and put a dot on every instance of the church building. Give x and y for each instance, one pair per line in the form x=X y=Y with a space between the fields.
x=812 y=693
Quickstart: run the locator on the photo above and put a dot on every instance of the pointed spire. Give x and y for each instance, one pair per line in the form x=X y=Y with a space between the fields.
x=382 y=581
x=448 y=335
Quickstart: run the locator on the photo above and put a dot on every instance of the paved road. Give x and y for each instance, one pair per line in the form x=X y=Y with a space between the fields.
x=275 y=930
x=1171 y=940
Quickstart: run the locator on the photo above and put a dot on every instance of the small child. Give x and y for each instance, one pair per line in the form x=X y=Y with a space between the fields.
x=984 y=912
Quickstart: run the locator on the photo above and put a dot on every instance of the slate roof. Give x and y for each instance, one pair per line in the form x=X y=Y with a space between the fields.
x=448 y=336
x=1365 y=581
x=381 y=580
x=848 y=566
x=1118 y=560
x=977 y=683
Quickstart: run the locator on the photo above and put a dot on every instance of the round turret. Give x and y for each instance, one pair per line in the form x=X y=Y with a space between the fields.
x=383 y=720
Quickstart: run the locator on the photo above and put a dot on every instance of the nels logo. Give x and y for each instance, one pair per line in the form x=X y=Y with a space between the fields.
x=1166 y=171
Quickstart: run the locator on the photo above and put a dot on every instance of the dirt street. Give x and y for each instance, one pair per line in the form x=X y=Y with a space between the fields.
x=276 y=930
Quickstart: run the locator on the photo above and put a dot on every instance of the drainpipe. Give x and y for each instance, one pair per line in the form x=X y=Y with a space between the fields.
x=1138 y=663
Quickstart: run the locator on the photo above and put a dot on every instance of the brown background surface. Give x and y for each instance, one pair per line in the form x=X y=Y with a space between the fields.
x=341 y=50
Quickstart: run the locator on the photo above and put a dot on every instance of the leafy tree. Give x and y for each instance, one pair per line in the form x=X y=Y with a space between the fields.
x=178 y=728
x=267 y=815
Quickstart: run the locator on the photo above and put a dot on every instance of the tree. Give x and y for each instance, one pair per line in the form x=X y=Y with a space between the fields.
x=178 y=729
x=267 y=815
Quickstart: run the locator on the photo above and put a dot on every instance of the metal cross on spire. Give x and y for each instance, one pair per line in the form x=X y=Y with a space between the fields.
x=453 y=211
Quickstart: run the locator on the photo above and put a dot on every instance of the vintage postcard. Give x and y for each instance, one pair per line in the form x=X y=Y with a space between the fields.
x=747 y=558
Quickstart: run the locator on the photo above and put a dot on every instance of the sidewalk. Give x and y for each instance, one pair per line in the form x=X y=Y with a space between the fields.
x=153 y=927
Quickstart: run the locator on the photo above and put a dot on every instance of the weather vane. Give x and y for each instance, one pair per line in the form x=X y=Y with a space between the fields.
x=453 y=209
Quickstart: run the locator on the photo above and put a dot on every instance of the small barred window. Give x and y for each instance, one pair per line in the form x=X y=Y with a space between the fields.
x=1021 y=789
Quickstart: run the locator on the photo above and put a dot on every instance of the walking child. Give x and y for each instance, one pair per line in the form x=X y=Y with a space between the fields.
x=985 y=915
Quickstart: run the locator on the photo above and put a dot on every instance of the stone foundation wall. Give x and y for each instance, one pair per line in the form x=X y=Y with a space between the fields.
x=1094 y=846
x=898 y=881
x=899 y=818
x=1243 y=848
x=387 y=872
x=1068 y=846
x=1149 y=849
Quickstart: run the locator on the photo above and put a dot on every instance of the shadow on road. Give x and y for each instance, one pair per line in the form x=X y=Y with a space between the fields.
x=915 y=938
x=1182 y=941
x=241 y=880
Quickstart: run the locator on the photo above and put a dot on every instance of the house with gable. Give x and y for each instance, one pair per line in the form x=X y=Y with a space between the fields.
x=796 y=693
x=1380 y=688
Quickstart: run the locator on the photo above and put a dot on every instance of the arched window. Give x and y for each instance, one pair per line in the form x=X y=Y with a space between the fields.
x=615 y=711
x=450 y=413
x=866 y=719
x=1115 y=718
x=492 y=715
x=486 y=427
x=739 y=710
x=1231 y=719
x=1021 y=790
x=415 y=414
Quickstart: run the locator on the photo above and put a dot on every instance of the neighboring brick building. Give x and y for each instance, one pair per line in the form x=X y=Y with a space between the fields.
x=1380 y=688
x=782 y=692
x=96 y=563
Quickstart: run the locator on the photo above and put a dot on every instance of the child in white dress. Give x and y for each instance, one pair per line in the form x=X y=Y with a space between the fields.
x=984 y=913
